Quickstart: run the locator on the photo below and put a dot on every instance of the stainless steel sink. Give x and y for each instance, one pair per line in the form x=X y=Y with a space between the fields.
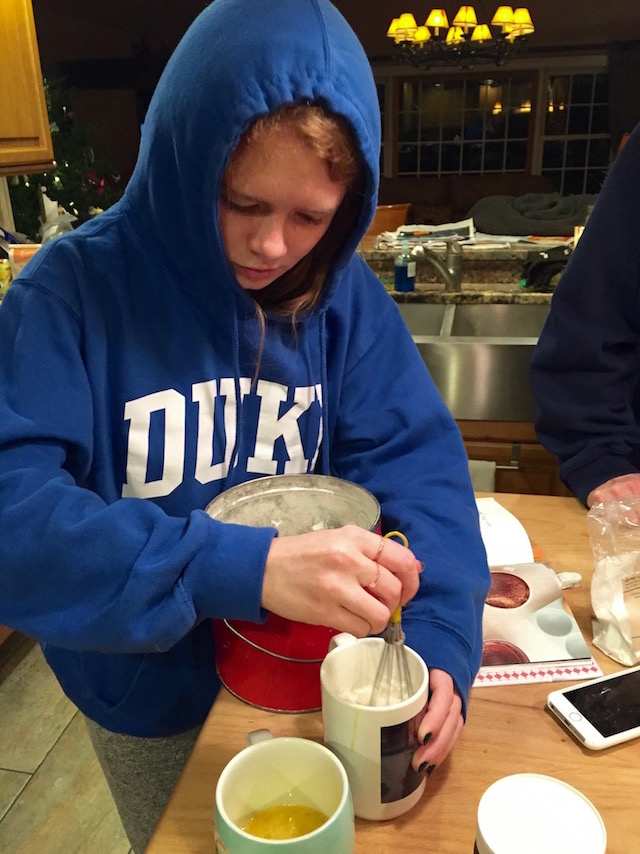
x=479 y=355
x=498 y=320
x=423 y=318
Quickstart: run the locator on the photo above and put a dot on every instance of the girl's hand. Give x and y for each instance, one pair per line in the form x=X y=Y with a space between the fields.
x=346 y=578
x=441 y=725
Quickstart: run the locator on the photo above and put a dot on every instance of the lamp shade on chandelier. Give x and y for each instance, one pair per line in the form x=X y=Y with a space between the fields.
x=465 y=41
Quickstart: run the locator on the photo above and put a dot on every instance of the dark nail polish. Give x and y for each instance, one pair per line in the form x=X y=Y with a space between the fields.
x=421 y=566
x=421 y=767
x=430 y=770
x=426 y=739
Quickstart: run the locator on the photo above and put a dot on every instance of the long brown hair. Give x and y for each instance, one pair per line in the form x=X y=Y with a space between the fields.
x=331 y=138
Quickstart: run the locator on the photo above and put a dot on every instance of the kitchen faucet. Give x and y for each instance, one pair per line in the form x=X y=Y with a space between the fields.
x=450 y=268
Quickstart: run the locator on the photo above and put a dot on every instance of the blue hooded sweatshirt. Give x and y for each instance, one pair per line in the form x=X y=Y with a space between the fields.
x=127 y=354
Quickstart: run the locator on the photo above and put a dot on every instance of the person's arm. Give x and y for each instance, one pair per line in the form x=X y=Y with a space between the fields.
x=393 y=434
x=84 y=571
x=586 y=367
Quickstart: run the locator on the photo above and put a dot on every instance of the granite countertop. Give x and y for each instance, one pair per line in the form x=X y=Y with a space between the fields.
x=477 y=294
x=490 y=274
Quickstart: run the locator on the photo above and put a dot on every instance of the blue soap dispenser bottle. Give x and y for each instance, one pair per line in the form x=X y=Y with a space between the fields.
x=404 y=270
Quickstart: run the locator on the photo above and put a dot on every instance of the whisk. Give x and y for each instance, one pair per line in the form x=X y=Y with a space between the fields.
x=392 y=682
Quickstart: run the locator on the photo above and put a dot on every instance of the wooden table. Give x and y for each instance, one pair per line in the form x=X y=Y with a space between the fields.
x=508 y=731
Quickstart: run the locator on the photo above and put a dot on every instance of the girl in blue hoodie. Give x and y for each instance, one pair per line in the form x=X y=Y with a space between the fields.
x=214 y=326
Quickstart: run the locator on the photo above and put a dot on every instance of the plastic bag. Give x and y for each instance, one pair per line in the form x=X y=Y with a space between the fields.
x=614 y=532
x=56 y=220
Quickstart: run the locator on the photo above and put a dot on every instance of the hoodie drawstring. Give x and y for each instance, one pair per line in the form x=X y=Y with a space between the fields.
x=324 y=385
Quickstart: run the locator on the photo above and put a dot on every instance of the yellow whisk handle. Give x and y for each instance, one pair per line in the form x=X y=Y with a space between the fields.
x=398 y=535
x=397 y=615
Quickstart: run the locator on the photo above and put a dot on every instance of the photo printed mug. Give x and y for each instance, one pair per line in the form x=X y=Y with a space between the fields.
x=374 y=743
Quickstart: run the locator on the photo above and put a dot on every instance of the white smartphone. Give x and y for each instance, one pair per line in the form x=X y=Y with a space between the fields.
x=601 y=712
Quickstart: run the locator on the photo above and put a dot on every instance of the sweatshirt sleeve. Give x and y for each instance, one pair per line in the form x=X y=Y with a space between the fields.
x=412 y=458
x=586 y=366
x=80 y=570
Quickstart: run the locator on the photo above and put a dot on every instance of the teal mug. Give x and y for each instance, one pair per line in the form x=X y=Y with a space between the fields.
x=276 y=782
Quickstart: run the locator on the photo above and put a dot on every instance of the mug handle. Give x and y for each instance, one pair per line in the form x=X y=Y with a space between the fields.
x=342 y=639
x=258 y=735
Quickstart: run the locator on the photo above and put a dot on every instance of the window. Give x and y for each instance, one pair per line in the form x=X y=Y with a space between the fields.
x=576 y=142
x=462 y=126
x=549 y=121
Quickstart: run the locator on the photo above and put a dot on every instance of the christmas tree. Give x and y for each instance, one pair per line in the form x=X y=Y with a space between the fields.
x=82 y=182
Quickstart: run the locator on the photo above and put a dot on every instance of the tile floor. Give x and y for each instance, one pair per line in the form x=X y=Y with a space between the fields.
x=53 y=796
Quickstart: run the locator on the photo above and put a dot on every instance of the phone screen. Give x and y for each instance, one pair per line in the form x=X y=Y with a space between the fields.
x=611 y=706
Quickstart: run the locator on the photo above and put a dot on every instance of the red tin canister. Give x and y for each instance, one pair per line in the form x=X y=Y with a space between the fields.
x=275 y=665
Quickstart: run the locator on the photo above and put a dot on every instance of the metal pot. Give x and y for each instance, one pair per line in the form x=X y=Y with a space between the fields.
x=275 y=665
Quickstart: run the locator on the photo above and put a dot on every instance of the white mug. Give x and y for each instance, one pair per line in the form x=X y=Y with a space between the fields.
x=282 y=771
x=374 y=743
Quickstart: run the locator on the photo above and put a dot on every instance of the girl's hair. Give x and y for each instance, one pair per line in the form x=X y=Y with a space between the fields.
x=330 y=137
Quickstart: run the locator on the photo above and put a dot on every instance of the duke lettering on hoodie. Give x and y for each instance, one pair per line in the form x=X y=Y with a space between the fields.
x=158 y=430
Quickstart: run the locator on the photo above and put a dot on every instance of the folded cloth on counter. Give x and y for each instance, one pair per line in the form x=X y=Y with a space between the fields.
x=548 y=214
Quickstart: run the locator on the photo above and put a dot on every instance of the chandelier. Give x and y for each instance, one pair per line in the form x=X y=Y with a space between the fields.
x=465 y=42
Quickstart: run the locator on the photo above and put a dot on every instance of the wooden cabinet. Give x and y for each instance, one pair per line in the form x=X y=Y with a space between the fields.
x=25 y=138
x=523 y=465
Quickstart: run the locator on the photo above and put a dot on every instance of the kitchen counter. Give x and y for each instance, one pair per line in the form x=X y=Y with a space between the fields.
x=481 y=293
x=508 y=732
x=374 y=248
x=490 y=273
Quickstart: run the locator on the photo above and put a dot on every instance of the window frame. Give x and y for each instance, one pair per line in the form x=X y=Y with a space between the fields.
x=538 y=69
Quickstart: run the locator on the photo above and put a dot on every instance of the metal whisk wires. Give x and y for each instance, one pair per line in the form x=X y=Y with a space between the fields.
x=392 y=683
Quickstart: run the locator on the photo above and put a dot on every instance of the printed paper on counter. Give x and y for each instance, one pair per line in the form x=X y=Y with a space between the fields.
x=529 y=632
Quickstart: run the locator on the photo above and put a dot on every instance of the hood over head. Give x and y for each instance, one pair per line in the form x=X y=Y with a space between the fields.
x=238 y=60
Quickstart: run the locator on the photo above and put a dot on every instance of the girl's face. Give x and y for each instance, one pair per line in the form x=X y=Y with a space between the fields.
x=277 y=202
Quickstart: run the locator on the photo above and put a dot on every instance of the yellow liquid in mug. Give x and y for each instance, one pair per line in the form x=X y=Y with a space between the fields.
x=285 y=821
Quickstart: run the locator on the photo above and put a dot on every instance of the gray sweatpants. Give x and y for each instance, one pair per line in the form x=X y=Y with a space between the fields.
x=141 y=773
